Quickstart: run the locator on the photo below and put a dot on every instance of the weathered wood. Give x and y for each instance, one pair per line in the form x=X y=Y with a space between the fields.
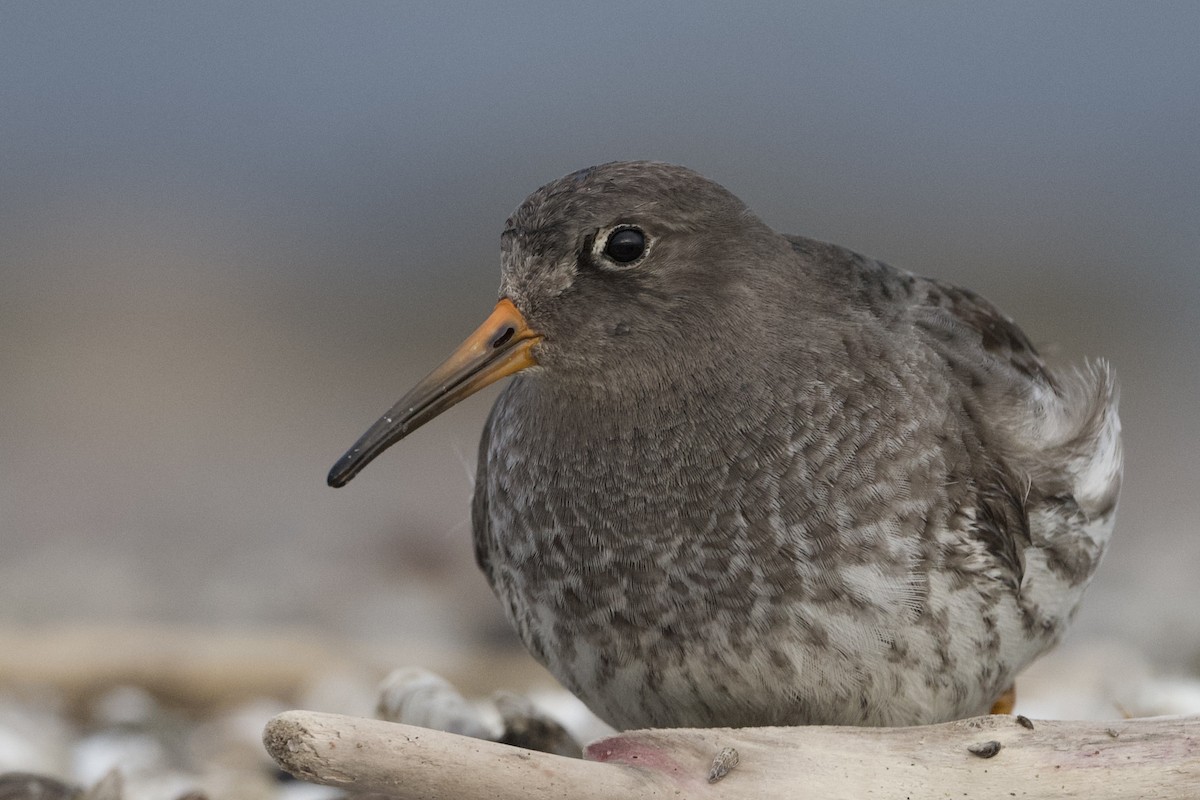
x=366 y=755
x=1158 y=757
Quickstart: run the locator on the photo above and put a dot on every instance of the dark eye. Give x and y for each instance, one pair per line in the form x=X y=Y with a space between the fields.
x=625 y=245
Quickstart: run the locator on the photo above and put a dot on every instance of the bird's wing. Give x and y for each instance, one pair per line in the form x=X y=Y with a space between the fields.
x=1050 y=441
x=946 y=311
x=966 y=328
x=987 y=355
x=993 y=360
x=1054 y=441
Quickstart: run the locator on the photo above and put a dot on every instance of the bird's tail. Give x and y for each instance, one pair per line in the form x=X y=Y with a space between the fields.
x=1074 y=448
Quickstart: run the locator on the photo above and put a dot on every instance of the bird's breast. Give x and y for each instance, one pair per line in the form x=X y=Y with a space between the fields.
x=712 y=502
x=581 y=485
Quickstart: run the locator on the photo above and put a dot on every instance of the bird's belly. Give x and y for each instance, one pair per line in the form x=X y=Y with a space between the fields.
x=654 y=648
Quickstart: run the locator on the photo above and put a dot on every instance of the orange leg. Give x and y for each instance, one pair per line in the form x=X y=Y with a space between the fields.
x=1006 y=702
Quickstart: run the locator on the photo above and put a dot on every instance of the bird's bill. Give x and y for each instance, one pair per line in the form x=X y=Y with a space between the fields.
x=500 y=346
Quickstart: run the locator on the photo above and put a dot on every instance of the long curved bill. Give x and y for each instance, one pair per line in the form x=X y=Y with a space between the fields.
x=500 y=347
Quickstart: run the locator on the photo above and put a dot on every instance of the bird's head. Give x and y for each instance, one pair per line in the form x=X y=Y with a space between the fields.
x=620 y=273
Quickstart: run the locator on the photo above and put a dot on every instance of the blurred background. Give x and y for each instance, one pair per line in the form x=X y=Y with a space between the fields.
x=232 y=234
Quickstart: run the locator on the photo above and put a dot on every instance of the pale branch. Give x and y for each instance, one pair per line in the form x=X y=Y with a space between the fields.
x=982 y=757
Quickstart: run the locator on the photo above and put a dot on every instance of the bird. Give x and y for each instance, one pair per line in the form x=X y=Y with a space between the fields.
x=741 y=478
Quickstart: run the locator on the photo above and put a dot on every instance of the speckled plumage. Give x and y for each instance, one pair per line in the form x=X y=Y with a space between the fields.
x=762 y=480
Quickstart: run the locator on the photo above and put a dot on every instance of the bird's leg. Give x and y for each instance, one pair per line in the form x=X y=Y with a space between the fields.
x=1006 y=702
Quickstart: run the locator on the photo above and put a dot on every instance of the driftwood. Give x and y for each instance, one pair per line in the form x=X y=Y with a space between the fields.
x=983 y=757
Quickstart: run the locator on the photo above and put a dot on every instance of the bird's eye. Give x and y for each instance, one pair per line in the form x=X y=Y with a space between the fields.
x=625 y=245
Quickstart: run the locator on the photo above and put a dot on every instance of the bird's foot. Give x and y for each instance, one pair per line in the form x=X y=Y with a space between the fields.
x=1006 y=702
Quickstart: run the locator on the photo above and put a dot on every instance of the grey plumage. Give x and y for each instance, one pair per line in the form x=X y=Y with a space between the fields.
x=757 y=479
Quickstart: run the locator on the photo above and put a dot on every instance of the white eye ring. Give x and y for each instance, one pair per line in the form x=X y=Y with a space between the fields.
x=622 y=246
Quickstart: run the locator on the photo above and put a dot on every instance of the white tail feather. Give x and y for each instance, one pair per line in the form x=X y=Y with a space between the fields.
x=1074 y=443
